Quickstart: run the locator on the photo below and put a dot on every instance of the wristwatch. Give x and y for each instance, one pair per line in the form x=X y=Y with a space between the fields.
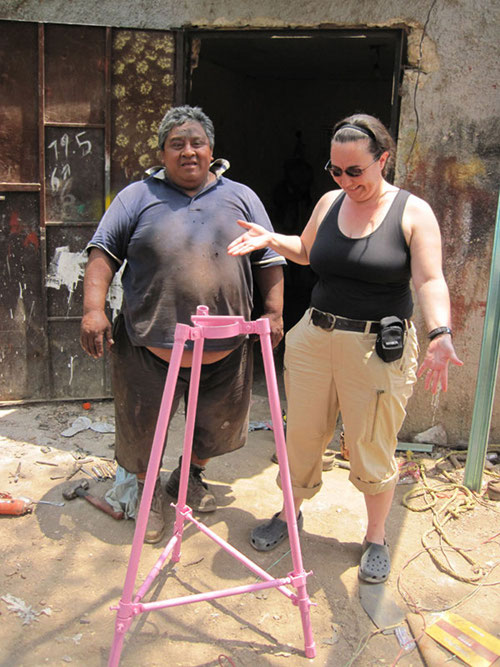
x=439 y=331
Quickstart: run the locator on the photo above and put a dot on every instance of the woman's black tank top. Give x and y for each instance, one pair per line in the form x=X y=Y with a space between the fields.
x=367 y=278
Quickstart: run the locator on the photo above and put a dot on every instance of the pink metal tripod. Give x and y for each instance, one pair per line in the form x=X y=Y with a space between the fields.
x=130 y=605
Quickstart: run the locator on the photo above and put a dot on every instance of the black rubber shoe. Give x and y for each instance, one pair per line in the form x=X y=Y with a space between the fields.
x=199 y=497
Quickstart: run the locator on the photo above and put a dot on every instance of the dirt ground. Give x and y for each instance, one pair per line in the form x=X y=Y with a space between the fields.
x=61 y=568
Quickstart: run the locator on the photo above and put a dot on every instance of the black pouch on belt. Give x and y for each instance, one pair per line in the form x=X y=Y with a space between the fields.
x=390 y=339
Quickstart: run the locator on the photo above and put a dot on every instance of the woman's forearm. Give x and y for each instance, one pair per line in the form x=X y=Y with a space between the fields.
x=434 y=300
x=290 y=247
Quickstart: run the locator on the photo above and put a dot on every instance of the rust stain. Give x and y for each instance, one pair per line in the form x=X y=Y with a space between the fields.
x=463 y=174
x=462 y=199
x=465 y=209
x=31 y=239
x=15 y=224
x=463 y=308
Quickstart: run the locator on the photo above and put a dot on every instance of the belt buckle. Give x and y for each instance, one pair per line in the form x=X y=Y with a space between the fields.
x=325 y=321
x=331 y=319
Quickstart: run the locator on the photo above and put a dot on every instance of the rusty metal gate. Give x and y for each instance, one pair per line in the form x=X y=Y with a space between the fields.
x=78 y=119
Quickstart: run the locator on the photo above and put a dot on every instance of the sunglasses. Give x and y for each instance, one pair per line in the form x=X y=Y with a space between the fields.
x=353 y=172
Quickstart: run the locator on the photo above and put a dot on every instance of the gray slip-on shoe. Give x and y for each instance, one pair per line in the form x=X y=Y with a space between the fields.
x=268 y=535
x=375 y=564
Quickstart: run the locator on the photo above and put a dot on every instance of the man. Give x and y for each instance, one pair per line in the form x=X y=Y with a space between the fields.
x=173 y=229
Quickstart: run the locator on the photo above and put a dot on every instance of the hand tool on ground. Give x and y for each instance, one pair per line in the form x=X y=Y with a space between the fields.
x=43 y=502
x=103 y=470
x=21 y=505
x=109 y=469
x=17 y=474
x=81 y=491
x=13 y=506
x=97 y=473
x=89 y=474
x=76 y=469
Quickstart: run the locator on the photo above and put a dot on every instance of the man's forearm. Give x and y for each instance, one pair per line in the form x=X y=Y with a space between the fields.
x=97 y=279
x=270 y=283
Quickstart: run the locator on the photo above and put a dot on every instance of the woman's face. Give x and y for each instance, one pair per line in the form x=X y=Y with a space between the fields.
x=355 y=156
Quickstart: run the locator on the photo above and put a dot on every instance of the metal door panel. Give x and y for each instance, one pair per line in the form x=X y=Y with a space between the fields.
x=67 y=259
x=75 y=58
x=74 y=374
x=19 y=103
x=74 y=174
x=80 y=111
x=22 y=332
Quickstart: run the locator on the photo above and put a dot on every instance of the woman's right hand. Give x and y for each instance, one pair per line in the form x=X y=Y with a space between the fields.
x=255 y=238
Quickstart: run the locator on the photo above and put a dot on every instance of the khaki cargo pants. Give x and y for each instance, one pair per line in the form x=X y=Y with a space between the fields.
x=328 y=371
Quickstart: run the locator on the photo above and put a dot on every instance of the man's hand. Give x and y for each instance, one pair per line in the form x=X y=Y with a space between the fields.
x=94 y=330
x=276 y=324
x=95 y=326
x=439 y=354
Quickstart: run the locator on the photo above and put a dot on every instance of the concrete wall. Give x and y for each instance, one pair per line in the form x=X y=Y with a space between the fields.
x=448 y=147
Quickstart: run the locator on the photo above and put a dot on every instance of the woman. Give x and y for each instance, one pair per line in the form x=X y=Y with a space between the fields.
x=364 y=242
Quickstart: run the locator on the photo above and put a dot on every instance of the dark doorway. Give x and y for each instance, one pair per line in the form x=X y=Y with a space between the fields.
x=274 y=97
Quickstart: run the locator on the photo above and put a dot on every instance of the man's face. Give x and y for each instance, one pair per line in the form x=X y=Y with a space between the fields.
x=187 y=156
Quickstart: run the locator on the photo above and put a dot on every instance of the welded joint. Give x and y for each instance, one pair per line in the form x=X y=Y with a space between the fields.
x=182 y=333
x=126 y=612
x=299 y=579
x=185 y=511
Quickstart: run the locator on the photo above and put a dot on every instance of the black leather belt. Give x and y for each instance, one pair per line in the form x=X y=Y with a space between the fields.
x=330 y=322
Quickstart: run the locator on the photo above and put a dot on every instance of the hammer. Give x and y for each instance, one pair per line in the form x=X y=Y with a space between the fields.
x=81 y=490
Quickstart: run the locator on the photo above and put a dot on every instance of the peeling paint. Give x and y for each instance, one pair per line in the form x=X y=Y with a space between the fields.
x=115 y=293
x=66 y=269
x=70 y=366
x=422 y=54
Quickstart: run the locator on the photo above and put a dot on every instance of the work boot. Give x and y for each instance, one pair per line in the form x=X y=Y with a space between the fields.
x=156 y=520
x=199 y=497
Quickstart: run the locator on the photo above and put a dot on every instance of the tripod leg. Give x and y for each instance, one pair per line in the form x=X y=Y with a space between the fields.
x=194 y=385
x=286 y=485
x=125 y=616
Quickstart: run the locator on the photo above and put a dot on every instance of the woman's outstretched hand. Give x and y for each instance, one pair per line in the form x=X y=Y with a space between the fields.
x=439 y=354
x=255 y=238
